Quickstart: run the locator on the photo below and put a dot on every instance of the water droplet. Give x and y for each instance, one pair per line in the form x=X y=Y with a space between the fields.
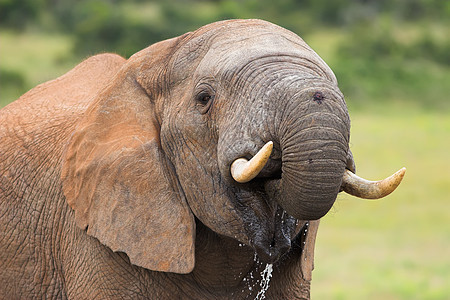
x=266 y=275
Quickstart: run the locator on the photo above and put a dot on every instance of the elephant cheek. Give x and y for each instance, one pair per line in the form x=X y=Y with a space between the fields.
x=213 y=207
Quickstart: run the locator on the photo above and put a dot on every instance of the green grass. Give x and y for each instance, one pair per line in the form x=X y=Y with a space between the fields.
x=32 y=58
x=398 y=247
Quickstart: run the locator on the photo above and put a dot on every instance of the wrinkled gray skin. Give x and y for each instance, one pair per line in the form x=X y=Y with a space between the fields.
x=217 y=94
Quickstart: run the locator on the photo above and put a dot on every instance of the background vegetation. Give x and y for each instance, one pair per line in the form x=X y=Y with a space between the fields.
x=392 y=60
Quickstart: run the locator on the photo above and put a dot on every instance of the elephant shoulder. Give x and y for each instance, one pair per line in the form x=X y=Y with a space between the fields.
x=74 y=89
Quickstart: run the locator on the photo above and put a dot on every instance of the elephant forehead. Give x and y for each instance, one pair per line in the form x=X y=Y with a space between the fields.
x=237 y=46
x=240 y=45
x=225 y=64
x=241 y=55
x=247 y=32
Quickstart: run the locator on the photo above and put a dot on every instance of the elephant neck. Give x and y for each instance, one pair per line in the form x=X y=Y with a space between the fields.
x=224 y=265
x=227 y=269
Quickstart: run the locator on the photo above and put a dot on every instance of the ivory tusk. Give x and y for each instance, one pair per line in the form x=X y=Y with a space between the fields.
x=244 y=170
x=362 y=188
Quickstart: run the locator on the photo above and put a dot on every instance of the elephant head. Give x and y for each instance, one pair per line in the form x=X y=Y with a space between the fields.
x=167 y=144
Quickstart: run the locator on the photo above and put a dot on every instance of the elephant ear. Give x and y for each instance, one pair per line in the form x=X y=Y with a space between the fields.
x=307 y=257
x=117 y=179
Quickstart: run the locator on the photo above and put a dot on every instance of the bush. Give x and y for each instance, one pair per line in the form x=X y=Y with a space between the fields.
x=12 y=83
x=373 y=62
x=11 y=79
x=18 y=14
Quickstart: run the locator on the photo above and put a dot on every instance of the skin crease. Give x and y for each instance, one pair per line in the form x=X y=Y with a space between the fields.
x=114 y=178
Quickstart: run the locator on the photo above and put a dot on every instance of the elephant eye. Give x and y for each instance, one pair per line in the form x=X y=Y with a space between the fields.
x=204 y=100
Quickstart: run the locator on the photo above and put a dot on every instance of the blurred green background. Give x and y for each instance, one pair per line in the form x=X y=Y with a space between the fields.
x=392 y=61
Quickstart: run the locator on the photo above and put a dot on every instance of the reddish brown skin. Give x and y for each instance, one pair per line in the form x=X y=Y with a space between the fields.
x=114 y=180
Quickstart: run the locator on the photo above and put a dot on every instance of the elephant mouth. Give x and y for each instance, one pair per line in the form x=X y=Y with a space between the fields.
x=290 y=235
x=270 y=229
x=271 y=246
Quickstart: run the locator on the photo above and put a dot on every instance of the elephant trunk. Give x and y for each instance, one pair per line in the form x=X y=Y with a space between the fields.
x=311 y=148
x=314 y=158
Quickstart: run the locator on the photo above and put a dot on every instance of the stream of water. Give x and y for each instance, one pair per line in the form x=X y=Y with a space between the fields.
x=264 y=284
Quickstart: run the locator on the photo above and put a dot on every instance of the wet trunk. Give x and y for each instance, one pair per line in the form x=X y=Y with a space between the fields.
x=313 y=139
x=309 y=125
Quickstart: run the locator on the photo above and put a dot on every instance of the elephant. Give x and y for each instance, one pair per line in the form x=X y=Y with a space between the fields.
x=198 y=168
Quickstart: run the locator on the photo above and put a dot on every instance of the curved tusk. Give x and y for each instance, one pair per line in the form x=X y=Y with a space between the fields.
x=244 y=170
x=362 y=188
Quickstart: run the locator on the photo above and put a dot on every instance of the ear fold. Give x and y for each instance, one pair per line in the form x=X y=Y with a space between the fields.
x=118 y=181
